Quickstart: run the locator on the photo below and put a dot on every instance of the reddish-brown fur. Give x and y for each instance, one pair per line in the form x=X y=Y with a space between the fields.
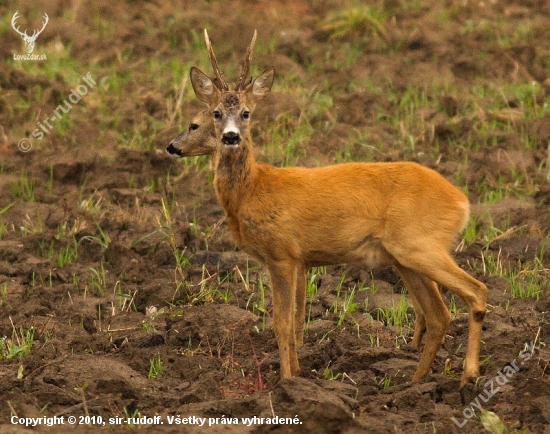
x=290 y=219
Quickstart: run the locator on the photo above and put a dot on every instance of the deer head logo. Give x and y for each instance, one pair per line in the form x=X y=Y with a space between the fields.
x=29 y=40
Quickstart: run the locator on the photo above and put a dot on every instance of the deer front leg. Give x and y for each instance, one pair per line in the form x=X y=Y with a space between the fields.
x=301 y=289
x=283 y=280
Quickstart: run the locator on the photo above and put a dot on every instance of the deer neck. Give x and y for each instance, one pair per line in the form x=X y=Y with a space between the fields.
x=233 y=175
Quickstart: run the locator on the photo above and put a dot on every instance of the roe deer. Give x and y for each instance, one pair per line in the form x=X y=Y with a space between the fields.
x=197 y=139
x=293 y=218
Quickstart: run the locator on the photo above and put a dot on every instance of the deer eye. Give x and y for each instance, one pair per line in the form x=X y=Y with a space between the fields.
x=217 y=114
x=246 y=114
x=193 y=127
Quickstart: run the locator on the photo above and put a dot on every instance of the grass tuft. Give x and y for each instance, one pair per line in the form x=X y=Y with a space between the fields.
x=357 y=22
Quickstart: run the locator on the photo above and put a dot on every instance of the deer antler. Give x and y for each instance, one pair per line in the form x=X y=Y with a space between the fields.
x=241 y=83
x=24 y=34
x=219 y=75
x=35 y=33
x=14 y=18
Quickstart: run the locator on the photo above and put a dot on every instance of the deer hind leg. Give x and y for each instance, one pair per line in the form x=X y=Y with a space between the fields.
x=301 y=288
x=441 y=268
x=428 y=302
x=419 y=323
x=283 y=280
x=428 y=283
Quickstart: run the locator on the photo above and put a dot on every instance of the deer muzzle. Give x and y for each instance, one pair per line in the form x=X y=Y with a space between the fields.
x=231 y=138
x=172 y=150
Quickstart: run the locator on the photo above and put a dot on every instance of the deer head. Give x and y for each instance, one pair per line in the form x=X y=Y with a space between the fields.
x=197 y=139
x=200 y=136
x=231 y=109
x=29 y=40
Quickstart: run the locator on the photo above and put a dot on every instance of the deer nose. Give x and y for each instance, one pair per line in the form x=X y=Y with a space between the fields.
x=172 y=150
x=231 y=138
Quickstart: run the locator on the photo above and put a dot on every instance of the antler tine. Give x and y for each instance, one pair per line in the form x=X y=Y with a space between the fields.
x=14 y=19
x=246 y=66
x=219 y=74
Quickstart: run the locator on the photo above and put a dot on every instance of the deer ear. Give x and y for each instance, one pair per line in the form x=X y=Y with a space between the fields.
x=204 y=88
x=262 y=85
